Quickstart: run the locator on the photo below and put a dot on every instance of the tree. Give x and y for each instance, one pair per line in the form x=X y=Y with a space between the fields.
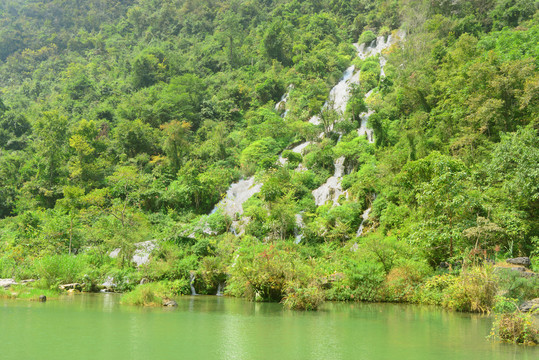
x=50 y=144
x=72 y=203
x=176 y=143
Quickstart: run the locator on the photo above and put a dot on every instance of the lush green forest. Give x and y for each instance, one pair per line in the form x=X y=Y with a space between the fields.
x=124 y=121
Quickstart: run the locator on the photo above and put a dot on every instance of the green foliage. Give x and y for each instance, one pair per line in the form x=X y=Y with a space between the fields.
x=432 y=291
x=516 y=328
x=474 y=292
x=516 y=286
x=126 y=121
x=152 y=294
x=59 y=269
x=366 y=37
x=303 y=298
x=260 y=154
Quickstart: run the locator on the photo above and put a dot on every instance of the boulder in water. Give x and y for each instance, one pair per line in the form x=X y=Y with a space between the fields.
x=170 y=303
x=523 y=261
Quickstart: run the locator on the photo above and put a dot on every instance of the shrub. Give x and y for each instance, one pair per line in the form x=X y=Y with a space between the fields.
x=514 y=285
x=144 y=295
x=7 y=267
x=364 y=281
x=504 y=305
x=55 y=269
x=366 y=37
x=431 y=292
x=300 y=297
x=270 y=274
x=152 y=294
x=402 y=281
x=474 y=292
x=516 y=327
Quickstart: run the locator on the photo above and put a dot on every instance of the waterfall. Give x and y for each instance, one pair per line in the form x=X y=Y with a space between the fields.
x=281 y=105
x=364 y=217
x=191 y=283
x=219 y=289
x=363 y=129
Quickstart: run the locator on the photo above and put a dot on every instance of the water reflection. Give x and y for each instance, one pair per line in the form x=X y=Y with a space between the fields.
x=210 y=327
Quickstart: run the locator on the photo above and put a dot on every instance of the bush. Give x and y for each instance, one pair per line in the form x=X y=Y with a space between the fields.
x=56 y=269
x=362 y=282
x=266 y=273
x=513 y=285
x=516 y=327
x=474 y=292
x=431 y=292
x=299 y=297
x=153 y=294
x=366 y=37
x=7 y=267
x=402 y=281
x=145 y=295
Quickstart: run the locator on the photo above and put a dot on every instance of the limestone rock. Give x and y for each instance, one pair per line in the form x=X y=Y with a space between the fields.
x=169 y=302
x=5 y=283
x=74 y=286
x=530 y=305
x=523 y=261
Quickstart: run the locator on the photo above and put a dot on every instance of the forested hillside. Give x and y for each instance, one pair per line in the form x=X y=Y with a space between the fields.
x=124 y=121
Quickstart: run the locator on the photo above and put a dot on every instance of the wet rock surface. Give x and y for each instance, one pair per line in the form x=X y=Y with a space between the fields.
x=169 y=303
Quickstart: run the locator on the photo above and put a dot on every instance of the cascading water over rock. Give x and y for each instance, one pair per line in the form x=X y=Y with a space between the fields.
x=338 y=98
x=192 y=283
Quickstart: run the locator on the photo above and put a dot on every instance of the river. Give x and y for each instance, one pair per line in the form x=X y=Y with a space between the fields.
x=96 y=326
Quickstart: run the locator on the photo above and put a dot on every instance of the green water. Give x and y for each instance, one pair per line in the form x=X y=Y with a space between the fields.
x=96 y=326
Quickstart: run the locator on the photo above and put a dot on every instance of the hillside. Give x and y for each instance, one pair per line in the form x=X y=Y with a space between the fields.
x=285 y=148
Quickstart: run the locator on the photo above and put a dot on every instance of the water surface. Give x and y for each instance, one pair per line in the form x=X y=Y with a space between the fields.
x=96 y=326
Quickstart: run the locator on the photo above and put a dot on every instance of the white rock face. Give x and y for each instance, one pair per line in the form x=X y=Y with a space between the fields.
x=5 y=283
x=332 y=189
x=142 y=252
x=300 y=224
x=236 y=195
x=338 y=98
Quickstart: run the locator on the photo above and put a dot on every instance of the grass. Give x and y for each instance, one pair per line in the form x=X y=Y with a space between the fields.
x=151 y=294
x=27 y=293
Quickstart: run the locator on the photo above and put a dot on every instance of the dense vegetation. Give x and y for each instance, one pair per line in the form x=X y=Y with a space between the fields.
x=127 y=120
